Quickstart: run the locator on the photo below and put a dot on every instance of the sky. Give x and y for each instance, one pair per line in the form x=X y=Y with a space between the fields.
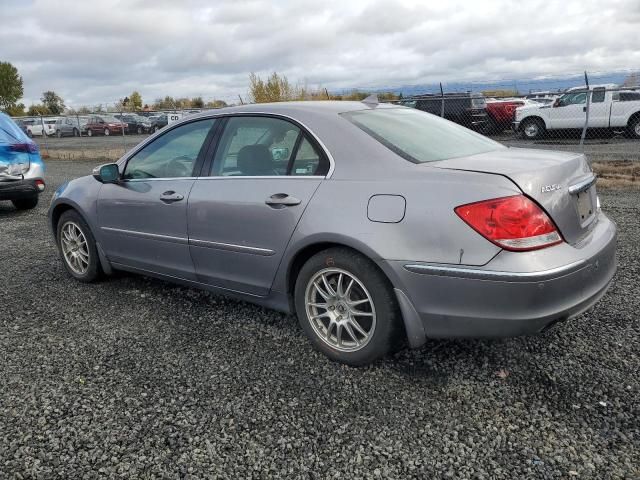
x=96 y=52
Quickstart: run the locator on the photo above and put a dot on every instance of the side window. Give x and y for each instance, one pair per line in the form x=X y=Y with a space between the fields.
x=174 y=154
x=255 y=146
x=308 y=160
x=598 y=95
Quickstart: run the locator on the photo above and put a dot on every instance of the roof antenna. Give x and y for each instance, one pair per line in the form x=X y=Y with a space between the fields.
x=371 y=100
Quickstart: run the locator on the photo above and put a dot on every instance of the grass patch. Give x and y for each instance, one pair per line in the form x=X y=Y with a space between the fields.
x=622 y=174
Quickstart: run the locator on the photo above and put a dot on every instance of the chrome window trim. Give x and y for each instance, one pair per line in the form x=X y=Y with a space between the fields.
x=125 y=158
x=480 y=274
x=231 y=247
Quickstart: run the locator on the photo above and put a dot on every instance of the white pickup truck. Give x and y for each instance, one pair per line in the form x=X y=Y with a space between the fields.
x=609 y=109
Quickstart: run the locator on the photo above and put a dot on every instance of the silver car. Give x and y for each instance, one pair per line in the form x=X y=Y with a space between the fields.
x=375 y=224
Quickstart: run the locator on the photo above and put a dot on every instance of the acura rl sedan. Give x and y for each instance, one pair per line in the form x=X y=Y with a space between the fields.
x=375 y=224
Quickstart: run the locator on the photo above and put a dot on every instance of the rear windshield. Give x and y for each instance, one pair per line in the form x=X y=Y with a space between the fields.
x=10 y=132
x=418 y=136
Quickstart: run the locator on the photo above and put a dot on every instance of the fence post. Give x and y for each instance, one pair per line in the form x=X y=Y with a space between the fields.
x=124 y=141
x=78 y=123
x=442 y=105
x=586 y=119
x=44 y=134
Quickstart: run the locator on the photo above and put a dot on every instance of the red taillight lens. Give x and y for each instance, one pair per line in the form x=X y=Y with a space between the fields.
x=24 y=147
x=513 y=223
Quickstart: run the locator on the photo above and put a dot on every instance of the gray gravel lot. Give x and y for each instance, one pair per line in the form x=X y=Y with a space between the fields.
x=137 y=378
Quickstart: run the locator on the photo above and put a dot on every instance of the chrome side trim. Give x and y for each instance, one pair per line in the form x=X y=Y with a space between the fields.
x=162 y=179
x=479 y=274
x=150 y=236
x=585 y=184
x=264 y=252
x=266 y=177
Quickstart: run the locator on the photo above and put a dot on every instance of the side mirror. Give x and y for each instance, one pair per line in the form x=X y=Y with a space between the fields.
x=107 y=173
x=280 y=153
x=556 y=103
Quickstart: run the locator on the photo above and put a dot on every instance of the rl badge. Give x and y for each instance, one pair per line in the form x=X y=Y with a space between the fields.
x=551 y=188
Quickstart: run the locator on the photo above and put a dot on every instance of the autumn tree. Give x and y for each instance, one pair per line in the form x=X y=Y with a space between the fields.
x=276 y=88
x=53 y=102
x=10 y=85
x=36 y=110
x=197 y=102
x=16 y=110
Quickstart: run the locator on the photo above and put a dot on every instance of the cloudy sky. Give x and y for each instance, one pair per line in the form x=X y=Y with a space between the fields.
x=94 y=52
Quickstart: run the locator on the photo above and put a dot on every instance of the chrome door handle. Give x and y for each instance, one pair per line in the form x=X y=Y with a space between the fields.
x=281 y=200
x=170 y=196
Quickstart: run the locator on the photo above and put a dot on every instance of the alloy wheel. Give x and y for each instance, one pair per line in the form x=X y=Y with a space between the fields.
x=340 y=309
x=75 y=248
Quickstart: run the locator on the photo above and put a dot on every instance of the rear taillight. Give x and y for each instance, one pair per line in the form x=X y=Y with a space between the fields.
x=514 y=223
x=28 y=147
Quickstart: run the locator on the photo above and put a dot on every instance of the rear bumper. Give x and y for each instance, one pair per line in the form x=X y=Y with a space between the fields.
x=17 y=189
x=505 y=298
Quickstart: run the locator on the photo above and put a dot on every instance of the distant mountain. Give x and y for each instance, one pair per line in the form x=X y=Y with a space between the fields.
x=523 y=86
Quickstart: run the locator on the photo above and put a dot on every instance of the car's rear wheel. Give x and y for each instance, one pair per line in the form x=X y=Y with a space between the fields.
x=106 y=132
x=532 y=129
x=89 y=133
x=25 y=203
x=347 y=308
x=77 y=247
x=634 y=127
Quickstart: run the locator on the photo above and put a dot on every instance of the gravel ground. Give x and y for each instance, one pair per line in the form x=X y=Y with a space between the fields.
x=137 y=378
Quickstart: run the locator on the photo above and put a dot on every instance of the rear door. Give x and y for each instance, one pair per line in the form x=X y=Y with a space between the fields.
x=241 y=216
x=599 y=108
x=143 y=219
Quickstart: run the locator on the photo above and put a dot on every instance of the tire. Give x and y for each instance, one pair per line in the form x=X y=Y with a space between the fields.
x=87 y=267
x=139 y=130
x=59 y=134
x=634 y=127
x=76 y=133
x=89 y=133
x=29 y=134
x=491 y=127
x=155 y=128
x=532 y=129
x=381 y=320
x=25 y=203
x=106 y=132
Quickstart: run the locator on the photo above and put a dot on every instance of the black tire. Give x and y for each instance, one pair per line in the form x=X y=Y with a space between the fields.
x=386 y=335
x=155 y=128
x=491 y=127
x=532 y=129
x=25 y=203
x=106 y=132
x=29 y=134
x=94 y=270
x=59 y=134
x=76 y=133
x=634 y=127
x=139 y=130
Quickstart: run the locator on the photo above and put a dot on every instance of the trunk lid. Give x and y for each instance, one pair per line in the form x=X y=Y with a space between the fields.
x=562 y=183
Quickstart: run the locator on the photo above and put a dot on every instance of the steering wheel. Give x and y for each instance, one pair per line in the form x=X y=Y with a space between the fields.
x=177 y=167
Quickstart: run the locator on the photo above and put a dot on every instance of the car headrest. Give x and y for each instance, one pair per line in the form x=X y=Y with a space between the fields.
x=255 y=160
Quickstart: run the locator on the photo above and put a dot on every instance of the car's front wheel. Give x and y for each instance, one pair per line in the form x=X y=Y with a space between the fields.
x=89 y=133
x=25 y=203
x=77 y=247
x=532 y=129
x=106 y=132
x=347 y=307
x=59 y=133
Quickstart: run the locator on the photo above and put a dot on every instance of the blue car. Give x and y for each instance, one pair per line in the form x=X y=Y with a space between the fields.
x=21 y=167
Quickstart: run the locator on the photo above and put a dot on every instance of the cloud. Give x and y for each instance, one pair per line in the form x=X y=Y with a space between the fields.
x=97 y=52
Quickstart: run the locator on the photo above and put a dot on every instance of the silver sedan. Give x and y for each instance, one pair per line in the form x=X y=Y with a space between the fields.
x=375 y=224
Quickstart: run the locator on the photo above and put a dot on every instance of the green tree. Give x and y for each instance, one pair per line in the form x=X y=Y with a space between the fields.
x=275 y=89
x=135 y=101
x=35 y=110
x=216 y=104
x=197 y=102
x=10 y=85
x=16 y=110
x=53 y=102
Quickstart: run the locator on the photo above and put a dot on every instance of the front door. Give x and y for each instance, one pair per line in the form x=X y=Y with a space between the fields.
x=143 y=219
x=570 y=111
x=242 y=216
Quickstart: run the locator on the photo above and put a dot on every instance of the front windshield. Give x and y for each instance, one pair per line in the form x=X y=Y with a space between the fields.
x=418 y=136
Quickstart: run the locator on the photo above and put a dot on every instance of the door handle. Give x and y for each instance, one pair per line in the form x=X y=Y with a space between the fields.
x=170 y=196
x=584 y=109
x=281 y=200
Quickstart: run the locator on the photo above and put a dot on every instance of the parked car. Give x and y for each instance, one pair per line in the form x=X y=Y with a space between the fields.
x=467 y=109
x=104 y=125
x=569 y=112
x=501 y=114
x=25 y=125
x=158 y=122
x=135 y=123
x=43 y=127
x=371 y=222
x=67 y=126
x=21 y=167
